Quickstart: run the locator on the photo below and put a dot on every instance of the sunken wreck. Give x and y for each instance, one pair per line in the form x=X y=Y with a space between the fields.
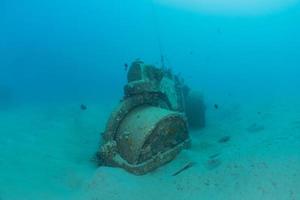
x=150 y=126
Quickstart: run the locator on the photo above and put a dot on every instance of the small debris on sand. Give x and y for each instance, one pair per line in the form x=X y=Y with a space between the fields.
x=187 y=166
x=255 y=128
x=214 y=155
x=213 y=163
x=224 y=139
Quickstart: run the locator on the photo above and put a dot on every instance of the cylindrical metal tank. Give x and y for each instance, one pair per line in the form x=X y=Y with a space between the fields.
x=149 y=130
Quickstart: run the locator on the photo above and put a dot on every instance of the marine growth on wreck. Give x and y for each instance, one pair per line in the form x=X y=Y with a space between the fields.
x=150 y=126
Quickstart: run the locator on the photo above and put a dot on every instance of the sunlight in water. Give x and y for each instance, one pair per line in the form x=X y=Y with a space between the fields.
x=232 y=7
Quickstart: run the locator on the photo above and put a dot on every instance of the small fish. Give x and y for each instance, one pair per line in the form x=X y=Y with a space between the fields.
x=224 y=139
x=216 y=106
x=126 y=66
x=83 y=107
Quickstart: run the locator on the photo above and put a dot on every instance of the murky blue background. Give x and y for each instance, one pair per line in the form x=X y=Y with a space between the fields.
x=73 y=49
x=55 y=55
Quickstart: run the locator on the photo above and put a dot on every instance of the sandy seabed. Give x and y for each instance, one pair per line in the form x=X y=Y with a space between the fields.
x=46 y=152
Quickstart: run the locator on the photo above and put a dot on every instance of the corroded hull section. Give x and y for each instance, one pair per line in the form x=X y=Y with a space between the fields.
x=149 y=127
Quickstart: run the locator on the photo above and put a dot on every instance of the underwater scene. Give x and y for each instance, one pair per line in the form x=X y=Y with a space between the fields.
x=150 y=99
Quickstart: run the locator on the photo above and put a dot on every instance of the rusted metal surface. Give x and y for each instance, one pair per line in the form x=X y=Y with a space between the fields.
x=148 y=128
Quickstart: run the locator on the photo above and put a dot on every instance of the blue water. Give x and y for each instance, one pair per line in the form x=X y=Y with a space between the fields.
x=56 y=55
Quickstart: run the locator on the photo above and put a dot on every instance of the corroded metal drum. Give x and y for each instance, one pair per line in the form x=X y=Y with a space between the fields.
x=149 y=127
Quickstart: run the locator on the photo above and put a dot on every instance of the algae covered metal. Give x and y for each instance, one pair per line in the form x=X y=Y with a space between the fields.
x=149 y=126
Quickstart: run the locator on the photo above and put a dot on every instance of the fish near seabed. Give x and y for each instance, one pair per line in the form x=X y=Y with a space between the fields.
x=126 y=67
x=216 y=106
x=83 y=107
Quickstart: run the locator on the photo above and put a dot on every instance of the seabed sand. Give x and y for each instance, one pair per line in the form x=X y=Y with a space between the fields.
x=46 y=151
